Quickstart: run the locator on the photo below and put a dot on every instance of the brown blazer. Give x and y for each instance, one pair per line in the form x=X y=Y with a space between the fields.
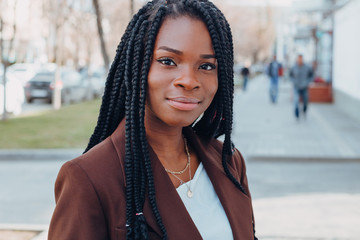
x=90 y=199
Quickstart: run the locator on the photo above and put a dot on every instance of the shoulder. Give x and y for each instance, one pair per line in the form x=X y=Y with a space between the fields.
x=235 y=161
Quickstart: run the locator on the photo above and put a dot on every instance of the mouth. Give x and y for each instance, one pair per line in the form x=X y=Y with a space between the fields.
x=183 y=103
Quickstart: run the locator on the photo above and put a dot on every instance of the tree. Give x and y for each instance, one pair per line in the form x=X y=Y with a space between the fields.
x=131 y=8
x=101 y=33
x=4 y=58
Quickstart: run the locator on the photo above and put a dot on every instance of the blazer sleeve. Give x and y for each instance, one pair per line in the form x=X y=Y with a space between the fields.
x=78 y=213
x=239 y=162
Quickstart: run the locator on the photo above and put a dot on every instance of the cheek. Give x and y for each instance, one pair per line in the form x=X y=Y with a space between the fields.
x=153 y=83
x=158 y=79
x=212 y=87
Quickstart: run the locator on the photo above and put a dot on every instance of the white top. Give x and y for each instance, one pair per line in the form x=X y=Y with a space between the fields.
x=205 y=208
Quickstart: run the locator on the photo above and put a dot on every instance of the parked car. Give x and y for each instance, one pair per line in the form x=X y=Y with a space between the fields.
x=73 y=87
x=97 y=82
x=96 y=79
x=14 y=95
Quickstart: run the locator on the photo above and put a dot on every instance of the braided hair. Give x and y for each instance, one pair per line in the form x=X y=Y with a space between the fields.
x=125 y=96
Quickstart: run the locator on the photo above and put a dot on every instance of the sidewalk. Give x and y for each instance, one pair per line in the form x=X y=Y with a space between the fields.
x=265 y=131
x=308 y=217
x=39 y=154
x=268 y=132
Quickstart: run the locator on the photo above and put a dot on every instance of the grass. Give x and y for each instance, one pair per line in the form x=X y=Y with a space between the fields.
x=69 y=127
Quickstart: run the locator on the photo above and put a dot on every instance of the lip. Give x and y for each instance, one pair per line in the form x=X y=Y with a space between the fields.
x=183 y=103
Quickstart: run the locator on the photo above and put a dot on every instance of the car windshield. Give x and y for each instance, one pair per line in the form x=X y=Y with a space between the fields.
x=44 y=76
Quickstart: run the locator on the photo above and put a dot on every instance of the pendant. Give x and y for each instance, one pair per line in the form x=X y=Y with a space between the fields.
x=189 y=193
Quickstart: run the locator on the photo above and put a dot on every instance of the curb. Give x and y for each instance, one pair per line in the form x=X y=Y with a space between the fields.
x=68 y=154
x=42 y=230
x=310 y=159
x=39 y=154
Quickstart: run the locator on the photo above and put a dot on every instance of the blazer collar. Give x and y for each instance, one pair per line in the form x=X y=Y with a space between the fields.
x=237 y=206
x=175 y=217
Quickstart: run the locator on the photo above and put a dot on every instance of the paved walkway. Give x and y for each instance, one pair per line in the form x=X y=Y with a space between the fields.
x=270 y=132
x=308 y=217
x=265 y=131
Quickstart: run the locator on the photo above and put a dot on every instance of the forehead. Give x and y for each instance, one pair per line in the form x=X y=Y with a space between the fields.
x=184 y=32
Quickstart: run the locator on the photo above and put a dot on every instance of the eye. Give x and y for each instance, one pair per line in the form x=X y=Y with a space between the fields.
x=207 y=66
x=166 y=61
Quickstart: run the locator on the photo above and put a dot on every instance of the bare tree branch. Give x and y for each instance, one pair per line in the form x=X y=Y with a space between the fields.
x=101 y=33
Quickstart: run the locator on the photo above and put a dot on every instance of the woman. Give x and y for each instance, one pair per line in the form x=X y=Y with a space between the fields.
x=153 y=168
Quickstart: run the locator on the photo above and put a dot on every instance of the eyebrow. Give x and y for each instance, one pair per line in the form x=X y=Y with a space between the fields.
x=178 y=52
x=207 y=56
x=171 y=50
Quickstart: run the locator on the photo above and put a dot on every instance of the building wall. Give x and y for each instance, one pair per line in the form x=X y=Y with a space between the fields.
x=346 y=68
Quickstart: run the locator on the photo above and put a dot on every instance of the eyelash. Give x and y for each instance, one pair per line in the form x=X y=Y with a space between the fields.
x=212 y=66
x=170 y=62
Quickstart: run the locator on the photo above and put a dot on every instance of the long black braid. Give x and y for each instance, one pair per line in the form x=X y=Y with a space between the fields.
x=125 y=97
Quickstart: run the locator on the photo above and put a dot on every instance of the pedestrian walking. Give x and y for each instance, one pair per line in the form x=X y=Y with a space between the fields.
x=245 y=73
x=274 y=72
x=152 y=169
x=301 y=75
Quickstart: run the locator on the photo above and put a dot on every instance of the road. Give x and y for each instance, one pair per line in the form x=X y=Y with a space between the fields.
x=277 y=179
x=26 y=191
x=26 y=187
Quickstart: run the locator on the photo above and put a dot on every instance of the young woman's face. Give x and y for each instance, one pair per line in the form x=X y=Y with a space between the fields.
x=183 y=78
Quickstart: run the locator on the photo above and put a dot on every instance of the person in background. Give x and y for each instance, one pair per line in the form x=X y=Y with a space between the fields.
x=245 y=72
x=301 y=75
x=274 y=72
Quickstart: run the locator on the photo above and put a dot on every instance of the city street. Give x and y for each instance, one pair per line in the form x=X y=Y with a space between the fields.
x=302 y=161
x=26 y=192
x=303 y=175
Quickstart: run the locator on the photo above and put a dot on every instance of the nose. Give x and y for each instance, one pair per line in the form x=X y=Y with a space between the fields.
x=187 y=80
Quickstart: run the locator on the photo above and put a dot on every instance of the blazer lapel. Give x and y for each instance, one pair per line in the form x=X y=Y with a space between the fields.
x=237 y=205
x=175 y=217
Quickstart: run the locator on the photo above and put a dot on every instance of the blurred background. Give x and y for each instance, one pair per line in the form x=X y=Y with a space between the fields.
x=303 y=172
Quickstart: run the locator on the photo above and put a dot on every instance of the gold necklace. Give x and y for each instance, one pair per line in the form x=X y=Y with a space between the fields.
x=189 y=192
x=187 y=164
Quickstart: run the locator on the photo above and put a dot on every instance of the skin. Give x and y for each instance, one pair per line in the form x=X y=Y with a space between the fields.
x=182 y=83
x=300 y=60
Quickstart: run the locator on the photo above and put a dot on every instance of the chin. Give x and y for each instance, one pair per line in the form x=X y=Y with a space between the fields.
x=179 y=122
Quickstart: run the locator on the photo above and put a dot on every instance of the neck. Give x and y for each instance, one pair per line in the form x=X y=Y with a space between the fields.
x=168 y=144
x=164 y=141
